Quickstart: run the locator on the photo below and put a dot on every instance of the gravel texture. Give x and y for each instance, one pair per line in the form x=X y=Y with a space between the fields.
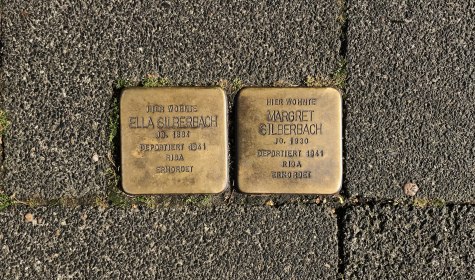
x=61 y=60
x=409 y=130
x=394 y=242
x=291 y=242
x=409 y=107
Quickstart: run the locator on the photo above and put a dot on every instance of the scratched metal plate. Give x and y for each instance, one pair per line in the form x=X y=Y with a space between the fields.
x=173 y=140
x=289 y=140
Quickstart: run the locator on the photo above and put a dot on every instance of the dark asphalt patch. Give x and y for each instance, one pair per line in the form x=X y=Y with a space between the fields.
x=410 y=110
x=290 y=242
x=396 y=242
x=62 y=60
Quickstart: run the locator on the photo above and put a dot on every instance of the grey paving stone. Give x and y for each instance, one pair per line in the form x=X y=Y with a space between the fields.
x=410 y=110
x=291 y=242
x=393 y=242
x=61 y=59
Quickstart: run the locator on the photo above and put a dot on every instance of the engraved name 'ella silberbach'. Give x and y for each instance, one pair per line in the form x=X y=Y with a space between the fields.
x=174 y=122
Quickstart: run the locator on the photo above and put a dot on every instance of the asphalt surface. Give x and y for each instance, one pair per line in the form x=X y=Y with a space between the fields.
x=291 y=242
x=410 y=110
x=409 y=117
x=394 y=242
x=62 y=59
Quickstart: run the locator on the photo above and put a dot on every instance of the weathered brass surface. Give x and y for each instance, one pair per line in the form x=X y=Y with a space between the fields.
x=289 y=140
x=173 y=140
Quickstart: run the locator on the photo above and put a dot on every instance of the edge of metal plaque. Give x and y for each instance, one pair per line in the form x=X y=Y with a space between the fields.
x=338 y=185
x=225 y=184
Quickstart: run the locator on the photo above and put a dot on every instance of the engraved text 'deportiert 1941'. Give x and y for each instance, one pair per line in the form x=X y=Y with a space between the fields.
x=173 y=140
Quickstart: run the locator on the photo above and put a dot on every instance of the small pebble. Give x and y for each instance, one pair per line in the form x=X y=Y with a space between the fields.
x=410 y=189
x=29 y=217
x=270 y=203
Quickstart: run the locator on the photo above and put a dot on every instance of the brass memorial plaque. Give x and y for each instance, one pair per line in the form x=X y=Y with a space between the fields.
x=289 y=140
x=173 y=140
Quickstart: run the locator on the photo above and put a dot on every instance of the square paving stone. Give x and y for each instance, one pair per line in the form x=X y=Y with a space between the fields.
x=289 y=242
x=61 y=61
x=409 y=106
x=396 y=242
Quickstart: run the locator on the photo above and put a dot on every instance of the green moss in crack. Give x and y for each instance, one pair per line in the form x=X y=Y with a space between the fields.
x=233 y=86
x=425 y=202
x=118 y=199
x=340 y=198
x=101 y=202
x=123 y=83
x=236 y=84
x=5 y=202
x=204 y=200
x=113 y=178
x=153 y=80
x=318 y=81
x=70 y=202
x=342 y=13
x=421 y=202
x=336 y=80
x=112 y=172
x=147 y=201
x=4 y=123
x=438 y=202
x=114 y=124
x=192 y=200
x=340 y=75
